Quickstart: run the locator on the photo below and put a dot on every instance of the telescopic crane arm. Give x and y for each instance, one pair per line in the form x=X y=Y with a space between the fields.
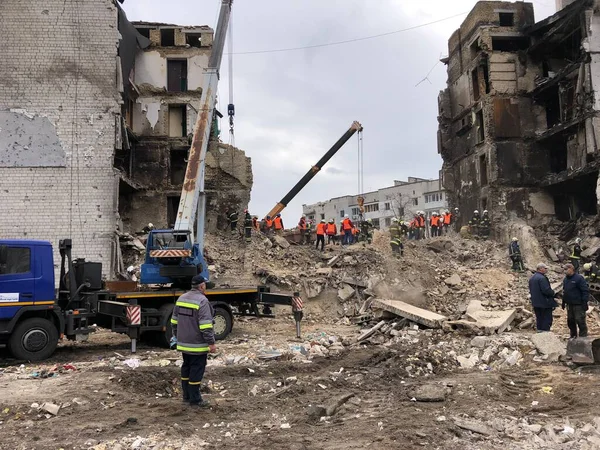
x=315 y=169
x=193 y=199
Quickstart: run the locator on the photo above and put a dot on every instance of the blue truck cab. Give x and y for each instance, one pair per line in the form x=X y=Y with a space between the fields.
x=30 y=319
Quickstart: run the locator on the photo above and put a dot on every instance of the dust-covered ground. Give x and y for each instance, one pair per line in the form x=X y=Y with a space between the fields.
x=405 y=387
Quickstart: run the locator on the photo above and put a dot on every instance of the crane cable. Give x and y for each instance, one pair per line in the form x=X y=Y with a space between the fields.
x=361 y=181
x=230 y=106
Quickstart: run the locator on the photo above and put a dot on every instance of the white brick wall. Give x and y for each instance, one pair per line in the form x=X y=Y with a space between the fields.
x=57 y=60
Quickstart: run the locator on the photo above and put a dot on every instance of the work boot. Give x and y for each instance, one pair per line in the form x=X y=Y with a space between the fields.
x=201 y=404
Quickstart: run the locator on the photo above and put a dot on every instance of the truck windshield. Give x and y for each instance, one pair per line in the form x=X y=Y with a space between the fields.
x=169 y=240
x=14 y=260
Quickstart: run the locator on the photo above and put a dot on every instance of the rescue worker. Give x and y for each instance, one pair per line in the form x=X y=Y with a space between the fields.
x=422 y=224
x=347 y=226
x=484 y=225
x=321 y=235
x=341 y=234
x=366 y=231
x=396 y=238
x=575 y=297
x=355 y=234
x=309 y=229
x=542 y=298
x=447 y=221
x=576 y=254
x=331 y=231
x=278 y=224
x=268 y=225
x=193 y=335
x=403 y=228
x=590 y=272
x=247 y=226
x=303 y=228
x=232 y=217
x=255 y=223
x=474 y=223
x=414 y=228
x=456 y=220
x=514 y=251
x=434 y=224
x=148 y=228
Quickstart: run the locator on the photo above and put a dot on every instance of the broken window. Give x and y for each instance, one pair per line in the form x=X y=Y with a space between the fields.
x=193 y=39
x=387 y=206
x=479 y=126
x=375 y=223
x=322 y=216
x=557 y=149
x=388 y=221
x=167 y=37
x=475 y=79
x=576 y=197
x=172 y=207
x=144 y=32
x=509 y=43
x=415 y=201
x=483 y=178
x=177 y=75
x=475 y=48
x=552 y=102
x=177 y=120
x=342 y=213
x=486 y=77
x=178 y=166
x=507 y=118
x=507 y=19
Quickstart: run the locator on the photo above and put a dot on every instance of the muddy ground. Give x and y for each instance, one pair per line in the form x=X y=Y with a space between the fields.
x=106 y=405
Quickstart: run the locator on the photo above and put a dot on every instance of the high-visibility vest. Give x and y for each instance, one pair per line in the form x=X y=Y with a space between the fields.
x=321 y=229
x=269 y=223
x=447 y=218
x=331 y=229
x=435 y=221
x=278 y=223
x=347 y=223
x=354 y=231
x=421 y=221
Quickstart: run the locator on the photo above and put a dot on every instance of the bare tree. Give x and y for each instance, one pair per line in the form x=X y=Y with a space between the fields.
x=399 y=204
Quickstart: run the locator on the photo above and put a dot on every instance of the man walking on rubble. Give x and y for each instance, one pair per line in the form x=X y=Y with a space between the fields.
x=278 y=224
x=485 y=225
x=542 y=298
x=575 y=298
x=247 y=226
x=331 y=230
x=302 y=226
x=321 y=235
x=396 y=239
x=194 y=337
x=576 y=254
x=514 y=252
x=232 y=217
x=347 y=226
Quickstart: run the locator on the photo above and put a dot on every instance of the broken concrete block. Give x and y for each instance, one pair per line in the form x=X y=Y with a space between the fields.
x=473 y=307
x=473 y=425
x=51 y=408
x=333 y=260
x=552 y=254
x=549 y=344
x=312 y=288
x=371 y=331
x=429 y=393
x=479 y=341
x=325 y=271
x=454 y=280
x=281 y=241
x=417 y=315
x=346 y=292
x=267 y=243
x=315 y=412
x=468 y=362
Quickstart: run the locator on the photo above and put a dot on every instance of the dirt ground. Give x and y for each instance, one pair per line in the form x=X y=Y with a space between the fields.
x=106 y=405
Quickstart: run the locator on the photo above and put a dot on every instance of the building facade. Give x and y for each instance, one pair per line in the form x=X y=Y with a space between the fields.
x=519 y=118
x=402 y=200
x=95 y=118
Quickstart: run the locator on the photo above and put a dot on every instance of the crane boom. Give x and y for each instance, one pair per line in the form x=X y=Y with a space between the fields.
x=315 y=169
x=193 y=199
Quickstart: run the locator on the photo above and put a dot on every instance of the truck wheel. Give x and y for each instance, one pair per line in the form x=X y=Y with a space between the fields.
x=223 y=323
x=163 y=338
x=33 y=339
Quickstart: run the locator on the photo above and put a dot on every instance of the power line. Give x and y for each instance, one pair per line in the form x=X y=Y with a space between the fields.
x=348 y=41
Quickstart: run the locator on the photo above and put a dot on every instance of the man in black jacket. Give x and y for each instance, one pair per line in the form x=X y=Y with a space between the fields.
x=575 y=298
x=542 y=298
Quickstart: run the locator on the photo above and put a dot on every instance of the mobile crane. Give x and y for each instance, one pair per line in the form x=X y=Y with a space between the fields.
x=33 y=317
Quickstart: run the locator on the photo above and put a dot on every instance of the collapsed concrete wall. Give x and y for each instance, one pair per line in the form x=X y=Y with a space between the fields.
x=58 y=105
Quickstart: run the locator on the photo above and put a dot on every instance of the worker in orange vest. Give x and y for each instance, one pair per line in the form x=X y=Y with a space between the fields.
x=331 y=231
x=434 y=223
x=278 y=224
x=268 y=225
x=347 y=226
x=341 y=234
x=422 y=224
x=302 y=227
x=355 y=232
x=447 y=221
x=321 y=235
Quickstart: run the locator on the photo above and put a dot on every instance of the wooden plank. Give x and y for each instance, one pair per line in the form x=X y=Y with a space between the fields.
x=417 y=315
x=370 y=332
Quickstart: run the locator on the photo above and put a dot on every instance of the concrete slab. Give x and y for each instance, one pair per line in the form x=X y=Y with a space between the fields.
x=549 y=344
x=552 y=254
x=417 y=315
x=488 y=322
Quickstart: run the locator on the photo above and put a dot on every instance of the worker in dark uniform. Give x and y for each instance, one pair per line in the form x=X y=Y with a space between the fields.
x=576 y=254
x=514 y=251
x=591 y=272
x=474 y=223
x=542 y=298
x=575 y=297
x=366 y=231
x=268 y=226
x=485 y=225
x=396 y=238
x=193 y=335
x=456 y=220
x=303 y=227
x=247 y=226
x=232 y=217
x=404 y=230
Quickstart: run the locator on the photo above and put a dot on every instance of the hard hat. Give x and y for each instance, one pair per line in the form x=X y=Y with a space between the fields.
x=331 y=220
x=434 y=213
x=578 y=241
x=437 y=213
x=475 y=212
x=150 y=225
x=515 y=239
x=346 y=216
x=587 y=266
x=455 y=209
x=268 y=217
x=394 y=220
x=448 y=211
x=485 y=211
x=370 y=220
x=322 y=220
x=278 y=215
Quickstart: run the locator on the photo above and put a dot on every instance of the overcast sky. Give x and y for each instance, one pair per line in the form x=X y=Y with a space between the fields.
x=292 y=106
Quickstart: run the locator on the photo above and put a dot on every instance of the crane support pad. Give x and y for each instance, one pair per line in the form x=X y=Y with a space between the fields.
x=276 y=299
x=177 y=253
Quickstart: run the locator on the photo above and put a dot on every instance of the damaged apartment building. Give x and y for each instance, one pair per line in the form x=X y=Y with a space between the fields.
x=96 y=116
x=519 y=120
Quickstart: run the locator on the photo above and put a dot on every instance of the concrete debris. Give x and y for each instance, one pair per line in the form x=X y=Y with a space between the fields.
x=549 y=345
x=453 y=280
x=51 y=408
x=370 y=331
x=474 y=426
x=429 y=393
x=346 y=292
x=281 y=241
x=417 y=315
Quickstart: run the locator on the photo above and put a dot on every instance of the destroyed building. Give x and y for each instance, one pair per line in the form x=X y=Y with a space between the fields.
x=518 y=121
x=95 y=119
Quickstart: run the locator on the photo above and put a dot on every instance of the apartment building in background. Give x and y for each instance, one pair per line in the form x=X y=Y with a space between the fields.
x=402 y=200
